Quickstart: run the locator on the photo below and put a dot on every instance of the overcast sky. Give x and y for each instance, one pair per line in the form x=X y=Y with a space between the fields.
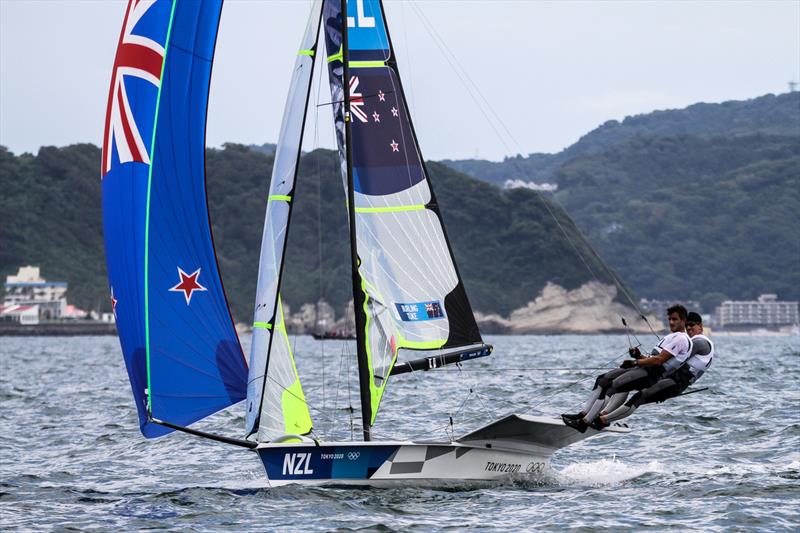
x=551 y=71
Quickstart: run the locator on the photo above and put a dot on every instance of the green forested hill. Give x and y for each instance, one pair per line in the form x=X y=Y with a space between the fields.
x=686 y=216
x=506 y=244
x=50 y=216
x=769 y=115
x=732 y=170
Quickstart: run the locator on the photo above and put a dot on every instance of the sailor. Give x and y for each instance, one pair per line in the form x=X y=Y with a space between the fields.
x=672 y=384
x=612 y=388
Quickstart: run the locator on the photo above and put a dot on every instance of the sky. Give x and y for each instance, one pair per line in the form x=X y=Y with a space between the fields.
x=485 y=79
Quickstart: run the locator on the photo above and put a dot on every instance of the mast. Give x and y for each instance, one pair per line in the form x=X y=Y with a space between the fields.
x=358 y=295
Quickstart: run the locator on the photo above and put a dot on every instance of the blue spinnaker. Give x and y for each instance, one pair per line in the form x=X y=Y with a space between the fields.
x=180 y=347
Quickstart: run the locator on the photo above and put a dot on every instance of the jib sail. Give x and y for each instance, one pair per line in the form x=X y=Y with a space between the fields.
x=276 y=405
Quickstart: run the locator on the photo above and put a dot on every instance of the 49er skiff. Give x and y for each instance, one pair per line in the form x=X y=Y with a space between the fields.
x=182 y=353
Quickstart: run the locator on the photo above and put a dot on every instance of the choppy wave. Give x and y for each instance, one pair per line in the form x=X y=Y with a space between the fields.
x=71 y=456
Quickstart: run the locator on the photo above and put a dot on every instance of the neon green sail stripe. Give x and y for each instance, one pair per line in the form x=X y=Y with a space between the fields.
x=337 y=56
x=275 y=197
x=367 y=64
x=296 y=418
x=393 y=209
x=147 y=216
x=306 y=53
x=402 y=342
x=262 y=325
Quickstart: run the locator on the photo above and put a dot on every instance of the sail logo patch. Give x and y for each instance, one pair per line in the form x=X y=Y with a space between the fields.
x=420 y=311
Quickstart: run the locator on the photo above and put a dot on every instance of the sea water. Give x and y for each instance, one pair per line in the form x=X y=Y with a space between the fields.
x=72 y=457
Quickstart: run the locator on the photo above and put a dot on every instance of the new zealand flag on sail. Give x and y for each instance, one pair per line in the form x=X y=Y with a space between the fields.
x=420 y=311
x=385 y=156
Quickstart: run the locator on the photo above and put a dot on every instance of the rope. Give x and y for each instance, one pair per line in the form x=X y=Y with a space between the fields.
x=570 y=385
x=473 y=90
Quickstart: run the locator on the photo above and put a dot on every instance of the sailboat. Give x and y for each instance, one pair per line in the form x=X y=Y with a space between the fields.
x=181 y=350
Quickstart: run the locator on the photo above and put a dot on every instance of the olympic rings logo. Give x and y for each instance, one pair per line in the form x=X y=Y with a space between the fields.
x=535 y=468
x=353 y=455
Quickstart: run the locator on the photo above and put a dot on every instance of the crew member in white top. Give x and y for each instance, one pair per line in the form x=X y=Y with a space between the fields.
x=675 y=383
x=612 y=388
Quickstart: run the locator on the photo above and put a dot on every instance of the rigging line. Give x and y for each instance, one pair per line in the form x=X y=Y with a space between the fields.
x=622 y=288
x=432 y=33
x=443 y=46
x=408 y=57
x=495 y=399
x=446 y=426
x=574 y=246
x=349 y=395
x=429 y=26
x=302 y=399
x=570 y=385
x=332 y=426
x=458 y=411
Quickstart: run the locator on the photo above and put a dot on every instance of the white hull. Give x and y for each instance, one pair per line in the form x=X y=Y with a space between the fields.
x=516 y=446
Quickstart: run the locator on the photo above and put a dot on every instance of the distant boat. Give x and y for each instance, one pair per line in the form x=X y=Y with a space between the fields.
x=334 y=335
x=183 y=356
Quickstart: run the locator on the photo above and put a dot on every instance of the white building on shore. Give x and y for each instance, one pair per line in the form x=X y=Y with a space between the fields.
x=767 y=311
x=28 y=288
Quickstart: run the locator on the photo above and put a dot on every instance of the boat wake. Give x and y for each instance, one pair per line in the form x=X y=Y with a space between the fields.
x=604 y=472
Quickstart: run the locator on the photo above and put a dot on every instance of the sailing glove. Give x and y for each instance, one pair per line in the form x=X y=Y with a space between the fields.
x=635 y=353
x=628 y=363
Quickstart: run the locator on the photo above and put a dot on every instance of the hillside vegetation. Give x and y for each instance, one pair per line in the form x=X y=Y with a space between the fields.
x=697 y=203
x=506 y=243
x=769 y=115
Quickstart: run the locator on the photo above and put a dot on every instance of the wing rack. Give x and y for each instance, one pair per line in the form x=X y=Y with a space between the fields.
x=449 y=358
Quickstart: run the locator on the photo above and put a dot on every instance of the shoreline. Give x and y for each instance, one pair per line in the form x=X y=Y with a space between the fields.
x=70 y=329
x=59 y=329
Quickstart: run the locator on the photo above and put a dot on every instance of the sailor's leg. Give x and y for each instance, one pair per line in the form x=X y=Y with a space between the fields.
x=634 y=379
x=593 y=397
x=594 y=403
x=613 y=402
x=619 y=413
x=602 y=383
x=662 y=390
x=594 y=410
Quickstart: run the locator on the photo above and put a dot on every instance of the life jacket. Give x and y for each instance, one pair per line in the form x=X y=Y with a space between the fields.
x=697 y=364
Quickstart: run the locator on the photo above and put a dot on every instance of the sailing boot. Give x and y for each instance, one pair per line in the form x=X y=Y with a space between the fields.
x=575 y=416
x=598 y=424
x=578 y=425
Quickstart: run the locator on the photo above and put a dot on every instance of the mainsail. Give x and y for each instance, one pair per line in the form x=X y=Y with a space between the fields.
x=408 y=293
x=181 y=350
x=276 y=404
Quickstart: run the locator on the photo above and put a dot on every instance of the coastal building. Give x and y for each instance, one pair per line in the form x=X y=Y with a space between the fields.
x=659 y=307
x=767 y=311
x=28 y=288
x=26 y=315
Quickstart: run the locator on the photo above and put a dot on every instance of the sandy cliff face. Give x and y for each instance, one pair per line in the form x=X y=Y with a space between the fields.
x=588 y=309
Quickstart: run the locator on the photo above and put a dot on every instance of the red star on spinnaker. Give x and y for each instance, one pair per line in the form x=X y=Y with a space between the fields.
x=188 y=284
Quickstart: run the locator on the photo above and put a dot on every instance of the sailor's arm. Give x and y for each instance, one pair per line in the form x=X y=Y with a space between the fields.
x=654 y=360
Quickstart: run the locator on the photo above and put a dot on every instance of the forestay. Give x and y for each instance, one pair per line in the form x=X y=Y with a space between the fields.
x=409 y=293
x=181 y=350
x=276 y=404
